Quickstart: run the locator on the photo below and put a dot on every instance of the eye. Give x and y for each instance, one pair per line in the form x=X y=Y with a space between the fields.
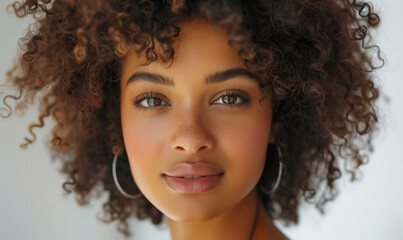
x=230 y=97
x=234 y=98
x=148 y=101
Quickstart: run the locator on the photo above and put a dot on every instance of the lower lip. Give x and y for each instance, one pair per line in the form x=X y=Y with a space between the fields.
x=192 y=185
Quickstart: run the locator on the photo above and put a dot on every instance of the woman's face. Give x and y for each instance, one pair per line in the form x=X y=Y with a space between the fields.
x=190 y=120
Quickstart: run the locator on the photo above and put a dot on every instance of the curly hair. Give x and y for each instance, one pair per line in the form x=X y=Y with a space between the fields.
x=311 y=57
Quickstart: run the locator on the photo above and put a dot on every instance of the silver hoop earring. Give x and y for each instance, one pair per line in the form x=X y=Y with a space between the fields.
x=280 y=171
x=115 y=179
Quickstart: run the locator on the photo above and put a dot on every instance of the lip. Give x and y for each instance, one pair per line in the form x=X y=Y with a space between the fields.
x=192 y=185
x=193 y=168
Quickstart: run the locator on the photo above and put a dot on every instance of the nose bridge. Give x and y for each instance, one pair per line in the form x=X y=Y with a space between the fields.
x=191 y=131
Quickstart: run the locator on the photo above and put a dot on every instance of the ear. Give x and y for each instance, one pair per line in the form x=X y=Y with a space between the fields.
x=273 y=131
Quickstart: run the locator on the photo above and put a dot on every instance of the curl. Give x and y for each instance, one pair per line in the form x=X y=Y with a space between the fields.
x=36 y=125
x=9 y=110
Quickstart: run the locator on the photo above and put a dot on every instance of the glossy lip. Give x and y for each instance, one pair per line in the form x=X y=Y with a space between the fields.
x=192 y=185
x=193 y=168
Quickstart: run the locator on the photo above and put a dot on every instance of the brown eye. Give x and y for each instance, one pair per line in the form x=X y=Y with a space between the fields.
x=234 y=98
x=152 y=102
x=148 y=101
x=231 y=98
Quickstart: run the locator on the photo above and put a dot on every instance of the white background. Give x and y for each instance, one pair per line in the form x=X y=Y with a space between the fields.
x=33 y=206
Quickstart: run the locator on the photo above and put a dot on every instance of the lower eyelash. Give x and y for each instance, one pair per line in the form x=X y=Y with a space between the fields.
x=143 y=96
x=228 y=92
x=235 y=92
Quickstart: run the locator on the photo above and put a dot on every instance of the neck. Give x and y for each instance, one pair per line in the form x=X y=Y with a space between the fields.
x=240 y=222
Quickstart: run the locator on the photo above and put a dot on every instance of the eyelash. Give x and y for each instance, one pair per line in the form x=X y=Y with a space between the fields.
x=229 y=92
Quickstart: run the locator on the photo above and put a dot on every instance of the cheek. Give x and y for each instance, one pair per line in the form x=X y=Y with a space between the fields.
x=143 y=142
x=248 y=145
x=245 y=143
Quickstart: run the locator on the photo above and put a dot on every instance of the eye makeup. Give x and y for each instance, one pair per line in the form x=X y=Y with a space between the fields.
x=227 y=95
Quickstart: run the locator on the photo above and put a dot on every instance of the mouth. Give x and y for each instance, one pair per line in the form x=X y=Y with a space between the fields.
x=192 y=176
x=183 y=184
x=193 y=170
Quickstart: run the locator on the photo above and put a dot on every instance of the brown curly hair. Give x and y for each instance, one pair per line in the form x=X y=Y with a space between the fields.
x=310 y=55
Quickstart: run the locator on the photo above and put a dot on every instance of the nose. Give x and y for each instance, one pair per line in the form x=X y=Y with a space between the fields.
x=191 y=134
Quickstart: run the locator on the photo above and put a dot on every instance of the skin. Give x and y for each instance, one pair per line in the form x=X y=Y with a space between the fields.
x=193 y=123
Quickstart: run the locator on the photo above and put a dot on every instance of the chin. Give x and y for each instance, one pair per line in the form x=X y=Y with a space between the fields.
x=201 y=215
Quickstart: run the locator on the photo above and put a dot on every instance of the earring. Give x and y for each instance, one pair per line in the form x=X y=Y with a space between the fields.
x=280 y=171
x=115 y=179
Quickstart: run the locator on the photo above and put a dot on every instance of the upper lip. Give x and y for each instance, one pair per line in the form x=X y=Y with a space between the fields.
x=193 y=168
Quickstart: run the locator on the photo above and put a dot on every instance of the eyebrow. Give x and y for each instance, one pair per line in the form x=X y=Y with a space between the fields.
x=210 y=79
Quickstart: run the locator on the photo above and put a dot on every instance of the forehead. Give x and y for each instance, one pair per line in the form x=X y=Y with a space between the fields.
x=201 y=40
x=200 y=48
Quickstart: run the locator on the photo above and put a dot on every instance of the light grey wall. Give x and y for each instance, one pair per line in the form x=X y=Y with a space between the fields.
x=32 y=204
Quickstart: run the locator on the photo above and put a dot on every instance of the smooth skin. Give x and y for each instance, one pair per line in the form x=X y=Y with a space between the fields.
x=192 y=121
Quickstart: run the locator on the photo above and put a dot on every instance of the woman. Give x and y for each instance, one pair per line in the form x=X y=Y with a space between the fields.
x=219 y=115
